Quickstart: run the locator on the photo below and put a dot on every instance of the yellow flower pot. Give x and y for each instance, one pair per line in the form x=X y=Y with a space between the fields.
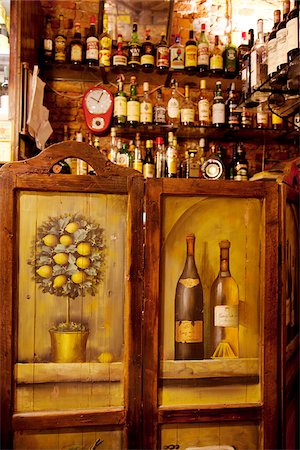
x=68 y=346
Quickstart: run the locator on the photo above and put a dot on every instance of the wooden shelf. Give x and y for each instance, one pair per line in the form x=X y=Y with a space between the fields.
x=209 y=368
x=36 y=373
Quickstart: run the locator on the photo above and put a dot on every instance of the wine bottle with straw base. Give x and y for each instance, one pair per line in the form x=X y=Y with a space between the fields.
x=189 y=309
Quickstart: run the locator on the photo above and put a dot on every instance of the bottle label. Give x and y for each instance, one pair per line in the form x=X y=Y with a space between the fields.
x=203 y=109
x=262 y=118
x=146 y=112
x=76 y=53
x=92 y=48
x=176 y=58
x=187 y=115
x=48 y=45
x=172 y=161
x=104 y=57
x=162 y=57
x=134 y=55
x=226 y=316
x=189 y=282
x=272 y=57
x=105 y=43
x=218 y=113
x=122 y=160
x=60 y=49
x=133 y=111
x=241 y=172
x=188 y=331
x=173 y=108
x=191 y=56
x=281 y=47
x=159 y=114
x=148 y=170
x=203 y=54
x=119 y=60
x=216 y=62
x=138 y=165
x=120 y=106
x=292 y=34
x=147 y=59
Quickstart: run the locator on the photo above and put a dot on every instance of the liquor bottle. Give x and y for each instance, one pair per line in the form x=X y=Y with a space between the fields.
x=162 y=54
x=61 y=167
x=189 y=329
x=216 y=63
x=187 y=110
x=133 y=105
x=213 y=167
x=160 y=158
x=147 y=54
x=232 y=163
x=47 y=47
x=120 y=106
x=171 y=156
x=76 y=48
x=242 y=50
x=60 y=43
x=123 y=155
x=203 y=106
x=82 y=166
x=292 y=26
x=258 y=59
x=159 y=109
x=190 y=52
x=281 y=38
x=148 y=163
x=105 y=45
x=262 y=117
x=230 y=60
x=218 y=107
x=240 y=169
x=173 y=106
x=272 y=46
x=137 y=159
x=92 y=45
x=231 y=104
x=146 y=108
x=203 y=52
x=113 y=150
x=176 y=52
x=134 y=49
x=245 y=73
x=224 y=303
x=192 y=164
x=119 y=58
x=246 y=118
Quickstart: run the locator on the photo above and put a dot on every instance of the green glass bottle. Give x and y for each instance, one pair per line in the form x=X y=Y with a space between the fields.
x=120 y=106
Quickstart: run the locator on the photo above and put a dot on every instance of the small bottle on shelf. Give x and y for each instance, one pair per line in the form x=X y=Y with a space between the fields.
x=134 y=49
x=281 y=38
x=160 y=158
x=173 y=106
x=162 y=54
x=246 y=118
x=148 y=163
x=146 y=107
x=258 y=59
x=230 y=60
x=120 y=105
x=133 y=104
x=224 y=301
x=159 y=109
x=242 y=50
x=147 y=54
x=245 y=71
x=171 y=156
x=47 y=42
x=123 y=157
x=119 y=57
x=60 y=43
x=190 y=52
x=189 y=329
x=62 y=167
x=113 y=149
x=176 y=52
x=232 y=163
x=203 y=106
x=92 y=45
x=218 y=107
x=272 y=46
x=240 y=169
x=262 y=116
x=231 y=106
x=292 y=26
x=105 y=45
x=203 y=52
x=216 y=63
x=76 y=48
x=187 y=110
x=137 y=159
x=213 y=167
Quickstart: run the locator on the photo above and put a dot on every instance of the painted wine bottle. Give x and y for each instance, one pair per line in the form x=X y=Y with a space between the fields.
x=189 y=343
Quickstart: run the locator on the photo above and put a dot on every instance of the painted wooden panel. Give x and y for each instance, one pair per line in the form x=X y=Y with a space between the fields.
x=102 y=313
x=103 y=438
x=240 y=436
x=211 y=221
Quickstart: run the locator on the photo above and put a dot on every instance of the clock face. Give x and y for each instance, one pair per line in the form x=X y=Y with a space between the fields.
x=98 y=101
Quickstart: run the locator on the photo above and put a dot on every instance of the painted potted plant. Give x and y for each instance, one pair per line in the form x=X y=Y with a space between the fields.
x=68 y=257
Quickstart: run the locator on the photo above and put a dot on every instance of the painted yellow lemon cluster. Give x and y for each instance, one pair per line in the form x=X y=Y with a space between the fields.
x=68 y=256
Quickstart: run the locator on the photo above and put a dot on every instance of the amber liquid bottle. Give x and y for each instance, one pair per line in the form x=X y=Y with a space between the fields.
x=224 y=303
x=189 y=309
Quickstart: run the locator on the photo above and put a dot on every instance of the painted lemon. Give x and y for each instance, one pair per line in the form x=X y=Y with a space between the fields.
x=83 y=262
x=66 y=240
x=45 y=271
x=59 y=281
x=84 y=248
x=105 y=357
x=78 y=277
x=72 y=227
x=51 y=240
x=61 y=258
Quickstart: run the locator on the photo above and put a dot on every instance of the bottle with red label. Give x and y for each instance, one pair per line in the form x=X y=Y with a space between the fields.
x=92 y=45
x=162 y=55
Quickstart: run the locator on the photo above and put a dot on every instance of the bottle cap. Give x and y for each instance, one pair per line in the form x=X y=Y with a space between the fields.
x=159 y=140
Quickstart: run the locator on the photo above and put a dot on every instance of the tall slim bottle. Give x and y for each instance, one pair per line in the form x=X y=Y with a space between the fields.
x=292 y=26
x=272 y=46
x=92 y=45
x=281 y=38
x=258 y=58
x=105 y=44
x=60 y=43
x=203 y=52
x=189 y=341
x=224 y=304
x=190 y=53
x=134 y=49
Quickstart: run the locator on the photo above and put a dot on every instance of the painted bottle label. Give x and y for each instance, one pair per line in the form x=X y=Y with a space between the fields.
x=226 y=316
x=188 y=331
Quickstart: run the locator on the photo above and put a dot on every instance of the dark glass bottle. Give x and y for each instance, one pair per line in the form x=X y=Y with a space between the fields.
x=189 y=330
x=232 y=163
x=147 y=54
x=159 y=109
x=233 y=115
x=76 y=48
x=92 y=45
x=119 y=57
x=216 y=64
x=133 y=104
x=242 y=50
x=240 y=169
x=61 y=167
x=134 y=49
x=203 y=52
x=245 y=72
x=47 y=47
x=190 y=61
x=281 y=38
x=218 y=107
x=271 y=46
x=230 y=60
x=292 y=25
x=120 y=106
x=162 y=55
x=148 y=163
x=60 y=43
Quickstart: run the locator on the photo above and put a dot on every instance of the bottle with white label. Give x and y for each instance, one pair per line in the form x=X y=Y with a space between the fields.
x=218 y=108
x=173 y=106
x=281 y=35
x=187 y=111
x=146 y=107
x=224 y=303
x=292 y=27
x=203 y=106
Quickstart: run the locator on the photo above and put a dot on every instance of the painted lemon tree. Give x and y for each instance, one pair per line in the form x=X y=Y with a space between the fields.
x=68 y=261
